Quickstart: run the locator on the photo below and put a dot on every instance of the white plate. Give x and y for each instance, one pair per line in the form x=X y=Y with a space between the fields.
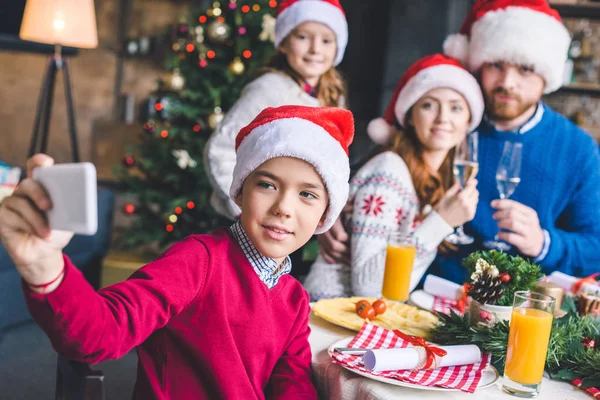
x=488 y=378
x=421 y=299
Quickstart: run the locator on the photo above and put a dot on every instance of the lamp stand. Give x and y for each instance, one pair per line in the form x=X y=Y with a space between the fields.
x=44 y=109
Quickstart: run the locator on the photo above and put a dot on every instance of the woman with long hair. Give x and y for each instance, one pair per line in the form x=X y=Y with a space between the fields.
x=409 y=186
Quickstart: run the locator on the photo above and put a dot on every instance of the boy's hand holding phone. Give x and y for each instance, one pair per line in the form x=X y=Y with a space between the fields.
x=35 y=249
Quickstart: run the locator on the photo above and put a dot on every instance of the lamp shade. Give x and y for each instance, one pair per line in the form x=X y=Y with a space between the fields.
x=65 y=22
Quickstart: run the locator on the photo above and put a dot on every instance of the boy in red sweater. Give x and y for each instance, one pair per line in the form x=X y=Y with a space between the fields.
x=216 y=316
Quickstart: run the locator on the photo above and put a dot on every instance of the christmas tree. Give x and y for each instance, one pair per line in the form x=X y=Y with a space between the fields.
x=214 y=53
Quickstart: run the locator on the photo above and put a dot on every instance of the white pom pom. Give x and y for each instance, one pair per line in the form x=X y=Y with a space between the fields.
x=380 y=131
x=457 y=46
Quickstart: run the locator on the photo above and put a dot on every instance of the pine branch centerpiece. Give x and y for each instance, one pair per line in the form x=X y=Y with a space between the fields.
x=574 y=346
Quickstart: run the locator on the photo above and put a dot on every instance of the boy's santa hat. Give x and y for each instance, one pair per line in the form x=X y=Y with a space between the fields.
x=292 y=13
x=428 y=73
x=523 y=32
x=318 y=135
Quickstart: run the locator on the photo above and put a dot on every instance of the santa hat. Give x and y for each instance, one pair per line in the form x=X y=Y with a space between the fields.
x=523 y=32
x=428 y=73
x=318 y=135
x=292 y=13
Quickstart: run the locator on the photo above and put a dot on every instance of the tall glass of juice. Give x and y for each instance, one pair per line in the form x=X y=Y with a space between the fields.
x=399 y=260
x=528 y=338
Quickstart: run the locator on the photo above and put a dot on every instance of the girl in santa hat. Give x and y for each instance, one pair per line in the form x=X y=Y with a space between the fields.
x=408 y=187
x=310 y=37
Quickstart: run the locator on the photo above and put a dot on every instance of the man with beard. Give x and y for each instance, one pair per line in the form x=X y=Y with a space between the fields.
x=518 y=49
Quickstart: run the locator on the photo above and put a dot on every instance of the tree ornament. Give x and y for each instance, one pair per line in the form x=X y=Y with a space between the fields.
x=129 y=161
x=199 y=31
x=237 y=67
x=486 y=288
x=177 y=81
x=184 y=160
x=504 y=277
x=268 y=29
x=129 y=208
x=588 y=343
x=215 y=118
x=218 y=32
x=149 y=128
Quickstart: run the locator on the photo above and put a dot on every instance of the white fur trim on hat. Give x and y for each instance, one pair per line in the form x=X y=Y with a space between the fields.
x=315 y=11
x=442 y=76
x=457 y=46
x=380 y=131
x=521 y=36
x=298 y=138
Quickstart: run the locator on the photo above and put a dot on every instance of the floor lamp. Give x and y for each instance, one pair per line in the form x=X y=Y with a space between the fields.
x=61 y=23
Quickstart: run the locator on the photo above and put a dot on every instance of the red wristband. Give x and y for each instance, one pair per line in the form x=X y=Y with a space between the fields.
x=43 y=286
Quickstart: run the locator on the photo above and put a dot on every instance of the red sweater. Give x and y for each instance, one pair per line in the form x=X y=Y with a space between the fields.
x=205 y=325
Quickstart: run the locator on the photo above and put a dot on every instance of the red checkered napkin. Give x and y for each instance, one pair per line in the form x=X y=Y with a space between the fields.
x=462 y=377
x=444 y=305
x=592 y=391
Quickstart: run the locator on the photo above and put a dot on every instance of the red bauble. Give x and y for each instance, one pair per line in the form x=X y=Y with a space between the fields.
x=588 y=343
x=129 y=161
x=129 y=208
x=504 y=277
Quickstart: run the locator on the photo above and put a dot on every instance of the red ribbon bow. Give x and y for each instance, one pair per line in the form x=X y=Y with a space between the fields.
x=430 y=350
x=590 y=279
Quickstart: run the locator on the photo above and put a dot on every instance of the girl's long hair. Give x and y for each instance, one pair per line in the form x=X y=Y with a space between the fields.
x=331 y=89
x=430 y=185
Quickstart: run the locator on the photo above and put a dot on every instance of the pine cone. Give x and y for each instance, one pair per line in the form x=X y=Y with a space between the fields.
x=486 y=288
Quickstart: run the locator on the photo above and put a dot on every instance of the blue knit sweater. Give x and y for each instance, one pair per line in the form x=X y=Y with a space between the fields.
x=560 y=179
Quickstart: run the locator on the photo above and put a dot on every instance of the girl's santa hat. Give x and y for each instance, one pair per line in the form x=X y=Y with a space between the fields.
x=292 y=13
x=428 y=73
x=523 y=32
x=318 y=135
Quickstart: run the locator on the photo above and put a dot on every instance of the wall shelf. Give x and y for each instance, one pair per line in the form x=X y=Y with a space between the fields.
x=579 y=10
x=589 y=89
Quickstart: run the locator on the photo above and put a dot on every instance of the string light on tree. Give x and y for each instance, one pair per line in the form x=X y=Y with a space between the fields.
x=173 y=218
x=245 y=9
x=247 y=54
x=190 y=205
x=216 y=9
x=211 y=54
x=199 y=30
x=202 y=19
x=169 y=228
x=129 y=208
x=242 y=30
x=164 y=134
x=178 y=210
x=196 y=128
x=215 y=118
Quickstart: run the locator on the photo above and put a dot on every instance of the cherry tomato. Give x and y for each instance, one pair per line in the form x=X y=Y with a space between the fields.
x=367 y=312
x=379 y=306
x=360 y=304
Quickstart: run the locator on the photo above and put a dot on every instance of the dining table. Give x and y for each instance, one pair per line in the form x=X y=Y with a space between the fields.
x=334 y=382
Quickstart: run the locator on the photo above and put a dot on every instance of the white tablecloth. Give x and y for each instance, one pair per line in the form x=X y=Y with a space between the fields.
x=336 y=383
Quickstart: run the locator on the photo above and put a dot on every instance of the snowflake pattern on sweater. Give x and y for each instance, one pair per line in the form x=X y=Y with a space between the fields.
x=384 y=201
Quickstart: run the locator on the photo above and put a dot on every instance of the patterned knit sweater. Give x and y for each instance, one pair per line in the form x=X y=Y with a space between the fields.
x=385 y=201
x=269 y=90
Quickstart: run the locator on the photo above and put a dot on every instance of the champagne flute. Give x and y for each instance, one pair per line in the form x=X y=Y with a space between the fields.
x=508 y=177
x=465 y=168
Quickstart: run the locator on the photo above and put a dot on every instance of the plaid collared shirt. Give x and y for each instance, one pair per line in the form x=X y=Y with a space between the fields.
x=266 y=268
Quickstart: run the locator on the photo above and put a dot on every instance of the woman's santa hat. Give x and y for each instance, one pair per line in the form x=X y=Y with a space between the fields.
x=428 y=73
x=318 y=135
x=523 y=32
x=292 y=13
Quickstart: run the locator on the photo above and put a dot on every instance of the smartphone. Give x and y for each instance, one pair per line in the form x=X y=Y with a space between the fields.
x=73 y=192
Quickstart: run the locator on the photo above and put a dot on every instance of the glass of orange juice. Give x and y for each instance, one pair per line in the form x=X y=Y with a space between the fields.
x=528 y=338
x=399 y=260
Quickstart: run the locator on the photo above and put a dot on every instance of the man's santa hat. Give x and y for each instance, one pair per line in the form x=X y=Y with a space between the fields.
x=428 y=73
x=318 y=135
x=523 y=32
x=292 y=13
